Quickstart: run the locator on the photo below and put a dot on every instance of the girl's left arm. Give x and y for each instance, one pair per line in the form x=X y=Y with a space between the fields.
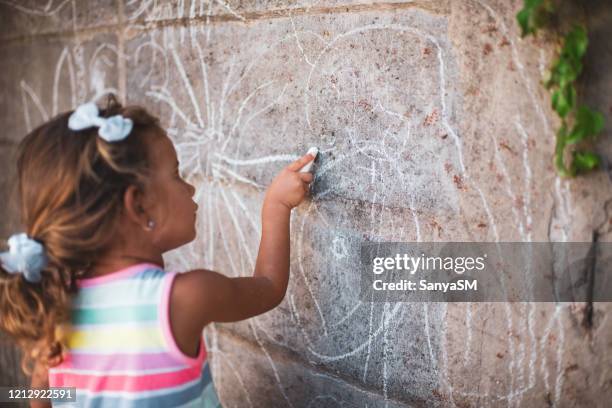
x=40 y=379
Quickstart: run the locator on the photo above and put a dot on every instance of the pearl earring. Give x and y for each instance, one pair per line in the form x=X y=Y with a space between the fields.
x=150 y=224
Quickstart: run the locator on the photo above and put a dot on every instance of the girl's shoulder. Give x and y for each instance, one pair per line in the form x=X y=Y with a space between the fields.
x=193 y=296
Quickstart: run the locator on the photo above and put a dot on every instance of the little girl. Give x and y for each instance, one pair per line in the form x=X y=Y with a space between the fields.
x=84 y=291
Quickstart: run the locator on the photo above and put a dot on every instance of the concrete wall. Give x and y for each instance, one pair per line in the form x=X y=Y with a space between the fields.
x=433 y=126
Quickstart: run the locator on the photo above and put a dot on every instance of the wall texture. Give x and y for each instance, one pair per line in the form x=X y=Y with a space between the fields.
x=433 y=126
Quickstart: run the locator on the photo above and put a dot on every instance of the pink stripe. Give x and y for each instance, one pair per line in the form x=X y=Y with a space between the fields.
x=149 y=382
x=112 y=276
x=118 y=361
x=164 y=315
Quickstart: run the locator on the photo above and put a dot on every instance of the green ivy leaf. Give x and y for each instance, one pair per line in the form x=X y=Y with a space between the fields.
x=576 y=42
x=563 y=100
x=528 y=18
x=593 y=120
x=588 y=124
x=584 y=161
x=523 y=18
x=564 y=72
x=568 y=67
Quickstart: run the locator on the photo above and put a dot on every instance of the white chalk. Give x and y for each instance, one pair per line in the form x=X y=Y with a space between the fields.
x=314 y=151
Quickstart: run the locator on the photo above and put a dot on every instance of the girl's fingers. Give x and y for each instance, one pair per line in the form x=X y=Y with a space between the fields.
x=301 y=162
x=306 y=177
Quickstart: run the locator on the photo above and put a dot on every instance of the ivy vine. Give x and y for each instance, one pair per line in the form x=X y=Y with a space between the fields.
x=578 y=123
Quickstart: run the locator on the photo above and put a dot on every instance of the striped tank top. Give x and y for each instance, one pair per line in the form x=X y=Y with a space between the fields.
x=121 y=352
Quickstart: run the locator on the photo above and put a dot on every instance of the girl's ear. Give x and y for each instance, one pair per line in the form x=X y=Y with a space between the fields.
x=134 y=206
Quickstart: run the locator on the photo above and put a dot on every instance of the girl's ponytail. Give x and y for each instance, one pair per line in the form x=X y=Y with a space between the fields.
x=31 y=306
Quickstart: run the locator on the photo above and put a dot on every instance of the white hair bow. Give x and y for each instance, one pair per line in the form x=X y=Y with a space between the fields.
x=25 y=256
x=112 y=129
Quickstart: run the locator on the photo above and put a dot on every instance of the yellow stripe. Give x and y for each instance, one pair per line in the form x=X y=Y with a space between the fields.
x=116 y=338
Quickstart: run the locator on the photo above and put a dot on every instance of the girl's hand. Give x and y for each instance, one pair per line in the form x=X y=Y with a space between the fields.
x=289 y=187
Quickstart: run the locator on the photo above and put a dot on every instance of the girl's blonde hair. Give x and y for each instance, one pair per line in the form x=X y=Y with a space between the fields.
x=71 y=186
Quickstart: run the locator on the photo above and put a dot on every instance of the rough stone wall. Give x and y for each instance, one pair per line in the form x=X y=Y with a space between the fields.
x=433 y=126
